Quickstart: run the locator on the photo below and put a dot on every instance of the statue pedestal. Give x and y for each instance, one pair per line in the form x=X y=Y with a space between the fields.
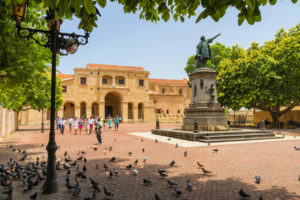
x=204 y=107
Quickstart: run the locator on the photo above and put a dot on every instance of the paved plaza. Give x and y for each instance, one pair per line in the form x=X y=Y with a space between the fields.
x=234 y=166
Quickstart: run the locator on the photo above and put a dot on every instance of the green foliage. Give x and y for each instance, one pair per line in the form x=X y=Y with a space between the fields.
x=154 y=10
x=266 y=77
x=24 y=75
x=190 y=65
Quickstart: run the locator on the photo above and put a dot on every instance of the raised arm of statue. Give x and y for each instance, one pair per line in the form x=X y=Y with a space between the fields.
x=212 y=39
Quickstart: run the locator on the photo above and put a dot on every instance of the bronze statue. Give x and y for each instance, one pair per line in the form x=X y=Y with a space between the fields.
x=203 y=52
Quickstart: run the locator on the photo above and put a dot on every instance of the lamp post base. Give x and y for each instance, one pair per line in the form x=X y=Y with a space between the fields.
x=50 y=187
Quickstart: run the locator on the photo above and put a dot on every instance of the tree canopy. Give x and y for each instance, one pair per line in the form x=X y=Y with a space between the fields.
x=154 y=10
x=265 y=77
x=24 y=66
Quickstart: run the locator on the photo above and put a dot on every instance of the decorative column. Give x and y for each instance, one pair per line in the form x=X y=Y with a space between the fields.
x=124 y=111
x=88 y=110
x=102 y=109
x=77 y=111
x=135 y=113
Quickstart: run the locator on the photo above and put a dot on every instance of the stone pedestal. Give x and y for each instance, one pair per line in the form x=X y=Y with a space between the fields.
x=204 y=107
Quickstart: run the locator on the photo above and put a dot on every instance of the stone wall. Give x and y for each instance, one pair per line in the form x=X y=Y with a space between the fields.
x=8 y=122
x=170 y=118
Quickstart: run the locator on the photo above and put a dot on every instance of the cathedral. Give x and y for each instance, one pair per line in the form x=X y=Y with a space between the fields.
x=103 y=90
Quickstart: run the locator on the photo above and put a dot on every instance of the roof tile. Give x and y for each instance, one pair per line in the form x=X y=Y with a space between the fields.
x=115 y=67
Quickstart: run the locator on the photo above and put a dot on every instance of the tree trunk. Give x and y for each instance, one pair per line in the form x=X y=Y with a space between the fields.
x=275 y=118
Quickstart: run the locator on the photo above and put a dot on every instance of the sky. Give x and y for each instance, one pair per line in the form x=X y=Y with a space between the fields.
x=163 y=48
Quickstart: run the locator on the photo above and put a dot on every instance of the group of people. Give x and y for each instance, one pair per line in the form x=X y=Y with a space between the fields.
x=90 y=125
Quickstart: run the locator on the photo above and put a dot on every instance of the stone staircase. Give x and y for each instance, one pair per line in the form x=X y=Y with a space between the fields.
x=236 y=135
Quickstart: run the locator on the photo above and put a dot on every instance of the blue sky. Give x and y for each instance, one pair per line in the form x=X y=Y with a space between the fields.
x=163 y=48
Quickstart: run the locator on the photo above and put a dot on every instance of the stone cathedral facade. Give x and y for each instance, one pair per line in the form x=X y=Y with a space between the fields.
x=102 y=90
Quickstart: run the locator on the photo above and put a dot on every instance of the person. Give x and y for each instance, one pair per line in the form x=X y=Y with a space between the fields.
x=99 y=131
x=117 y=121
x=103 y=123
x=96 y=124
x=80 y=125
x=203 y=53
x=91 y=122
x=87 y=126
x=62 y=126
x=109 y=123
x=70 y=120
x=57 y=122
x=75 y=124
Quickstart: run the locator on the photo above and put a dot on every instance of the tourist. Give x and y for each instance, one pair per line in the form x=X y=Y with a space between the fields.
x=96 y=124
x=80 y=125
x=117 y=121
x=75 y=125
x=99 y=131
x=62 y=126
x=58 y=121
x=87 y=125
x=109 y=123
x=70 y=120
x=91 y=122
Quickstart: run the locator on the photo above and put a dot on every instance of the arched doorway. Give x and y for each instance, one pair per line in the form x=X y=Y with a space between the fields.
x=112 y=104
x=141 y=111
x=95 y=110
x=82 y=110
x=69 y=110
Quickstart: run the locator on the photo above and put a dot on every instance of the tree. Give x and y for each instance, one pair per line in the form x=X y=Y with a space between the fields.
x=24 y=72
x=265 y=77
x=154 y=10
x=218 y=51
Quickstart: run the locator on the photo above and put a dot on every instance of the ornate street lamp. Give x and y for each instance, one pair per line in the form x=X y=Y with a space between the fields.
x=56 y=41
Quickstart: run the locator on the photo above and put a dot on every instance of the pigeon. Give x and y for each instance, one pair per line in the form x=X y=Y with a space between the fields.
x=199 y=164
x=216 y=150
x=34 y=196
x=107 y=193
x=257 y=179
x=105 y=167
x=297 y=148
x=77 y=191
x=83 y=152
x=74 y=163
x=97 y=165
x=143 y=150
x=84 y=168
x=176 y=145
x=79 y=158
x=94 y=148
x=136 y=161
x=93 y=197
x=66 y=166
x=84 y=160
x=171 y=183
x=178 y=192
x=70 y=187
x=135 y=172
x=147 y=182
x=78 y=153
x=162 y=173
x=65 y=154
x=206 y=171
x=156 y=197
x=145 y=159
x=116 y=172
x=243 y=194
x=169 y=139
x=172 y=163
x=189 y=186
x=42 y=145
x=68 y=159
x=128 y=167
x=129 y=153
x=96 y=188
x=93 y=182
x=110 y=173
x=185 y=153
x=110 y=148
x=24 y=157
x=156 y=140
x=113 y=159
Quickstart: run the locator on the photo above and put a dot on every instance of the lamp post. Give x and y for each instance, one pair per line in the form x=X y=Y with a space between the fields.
x=56 y=41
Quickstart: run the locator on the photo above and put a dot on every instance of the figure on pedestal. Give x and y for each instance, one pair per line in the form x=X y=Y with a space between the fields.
x=203 y=52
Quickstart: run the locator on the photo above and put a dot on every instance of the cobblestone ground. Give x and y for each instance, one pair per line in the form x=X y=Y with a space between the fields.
x=234 y=166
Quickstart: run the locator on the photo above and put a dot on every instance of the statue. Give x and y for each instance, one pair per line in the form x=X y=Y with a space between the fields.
x=203 y=52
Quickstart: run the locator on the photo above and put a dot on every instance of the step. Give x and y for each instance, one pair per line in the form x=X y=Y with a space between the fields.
x=236 y=135
x=238 y=139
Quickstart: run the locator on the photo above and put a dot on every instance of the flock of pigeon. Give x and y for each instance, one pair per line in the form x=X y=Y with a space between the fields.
x=32 y=173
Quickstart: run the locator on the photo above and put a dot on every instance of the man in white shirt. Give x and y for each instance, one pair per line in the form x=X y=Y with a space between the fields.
x=70 y=120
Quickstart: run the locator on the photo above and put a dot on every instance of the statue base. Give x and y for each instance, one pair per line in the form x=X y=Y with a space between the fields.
x=204 y=109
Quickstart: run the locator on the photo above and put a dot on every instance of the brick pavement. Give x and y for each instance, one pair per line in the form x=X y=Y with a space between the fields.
x=233 y=167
